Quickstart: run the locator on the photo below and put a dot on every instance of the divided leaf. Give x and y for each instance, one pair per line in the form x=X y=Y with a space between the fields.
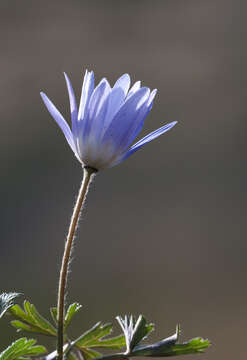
x=114 y=343
x=30 y=320
x=71 y=311
x=71 y=356
x=97 y=332
x=22 y=349
x=95 y=338
x=158 y=348
x=196 y=345
x=134 y=330
x=53 y=312
x=89 y=354
x=6 y=301
x=169 y=347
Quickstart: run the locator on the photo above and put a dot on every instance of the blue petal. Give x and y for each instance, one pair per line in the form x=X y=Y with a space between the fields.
x=124 y=122
x=143 y=112
x=137 y=125
x=97 y=110
x=134 y=88
x=59 y=120
x=116 y=100
x=151 y=98
x=73 y=106
x=86 y=92
x=124 y=83
x=153 y=135
x=117 y=97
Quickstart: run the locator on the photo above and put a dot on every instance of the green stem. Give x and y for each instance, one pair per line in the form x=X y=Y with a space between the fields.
x=88 y=172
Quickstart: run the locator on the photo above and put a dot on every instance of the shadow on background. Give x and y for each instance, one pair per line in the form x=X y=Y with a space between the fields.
x=163 y=233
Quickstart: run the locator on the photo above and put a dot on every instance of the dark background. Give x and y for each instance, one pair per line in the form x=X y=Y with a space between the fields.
x=164 y=233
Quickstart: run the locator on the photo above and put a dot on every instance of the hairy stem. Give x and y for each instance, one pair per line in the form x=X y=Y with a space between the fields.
x=88 y=172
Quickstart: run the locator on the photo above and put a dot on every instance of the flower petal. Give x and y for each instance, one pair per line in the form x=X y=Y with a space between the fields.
x=143 y=112
x=124 y=121
x=86 y=92
x=97 y=110
x=153 y=135
x=73 y=106
x=151 y=98
x=116 y=98
x=59 y=120
x=134 y=88
x=123 y=82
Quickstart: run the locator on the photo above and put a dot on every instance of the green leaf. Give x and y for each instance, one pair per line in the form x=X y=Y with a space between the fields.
x=30 y=320
x=6 y=301
x=157 y=348
x=95 y=338
x=19 y=325
x=94 y=334
x=196 y=345
x=89 y=354
x=134 y=330
x=53 y=312
x=169 y=347
x=72 y=310
x=141 y=331
x=114 y=343
x=71 y=356
x=22 y=349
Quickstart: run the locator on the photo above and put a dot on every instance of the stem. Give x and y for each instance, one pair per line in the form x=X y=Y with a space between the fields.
x=88 y=172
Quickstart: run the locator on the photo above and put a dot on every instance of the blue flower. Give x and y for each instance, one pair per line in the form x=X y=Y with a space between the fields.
x=108 y=120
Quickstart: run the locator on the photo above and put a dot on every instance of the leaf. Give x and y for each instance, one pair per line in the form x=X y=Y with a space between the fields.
x=71 y=356
x=157 y=348
x=19 y=325
x=94 y=334
x=196 y=345
x=169 y=347
x=141 y=331
x=22 y=349
x=6 y=301
x=89 y=354
x=30 y=320
x=114 y=343
x=72 y=310
x=95 y=338
x=134 y=330
x=53 y=312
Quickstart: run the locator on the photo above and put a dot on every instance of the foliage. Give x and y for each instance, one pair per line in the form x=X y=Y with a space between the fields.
x=22 y=349
x=29 y=319
x=87 y=346
x=6 y=301
x=95 y=338
x=137 y=330
x=134 y=330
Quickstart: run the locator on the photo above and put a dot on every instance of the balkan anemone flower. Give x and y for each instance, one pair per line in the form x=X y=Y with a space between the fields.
x=108 y=120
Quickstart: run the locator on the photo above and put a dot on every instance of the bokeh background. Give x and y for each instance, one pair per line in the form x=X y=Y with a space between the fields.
x=164 y=233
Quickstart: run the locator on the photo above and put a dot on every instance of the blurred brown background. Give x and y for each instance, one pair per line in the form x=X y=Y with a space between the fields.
x=164 y=233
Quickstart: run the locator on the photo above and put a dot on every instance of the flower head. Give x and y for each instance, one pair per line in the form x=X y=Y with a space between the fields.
x=108 y=120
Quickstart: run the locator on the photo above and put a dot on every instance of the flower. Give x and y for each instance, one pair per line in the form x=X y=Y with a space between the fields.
x=108 y=120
